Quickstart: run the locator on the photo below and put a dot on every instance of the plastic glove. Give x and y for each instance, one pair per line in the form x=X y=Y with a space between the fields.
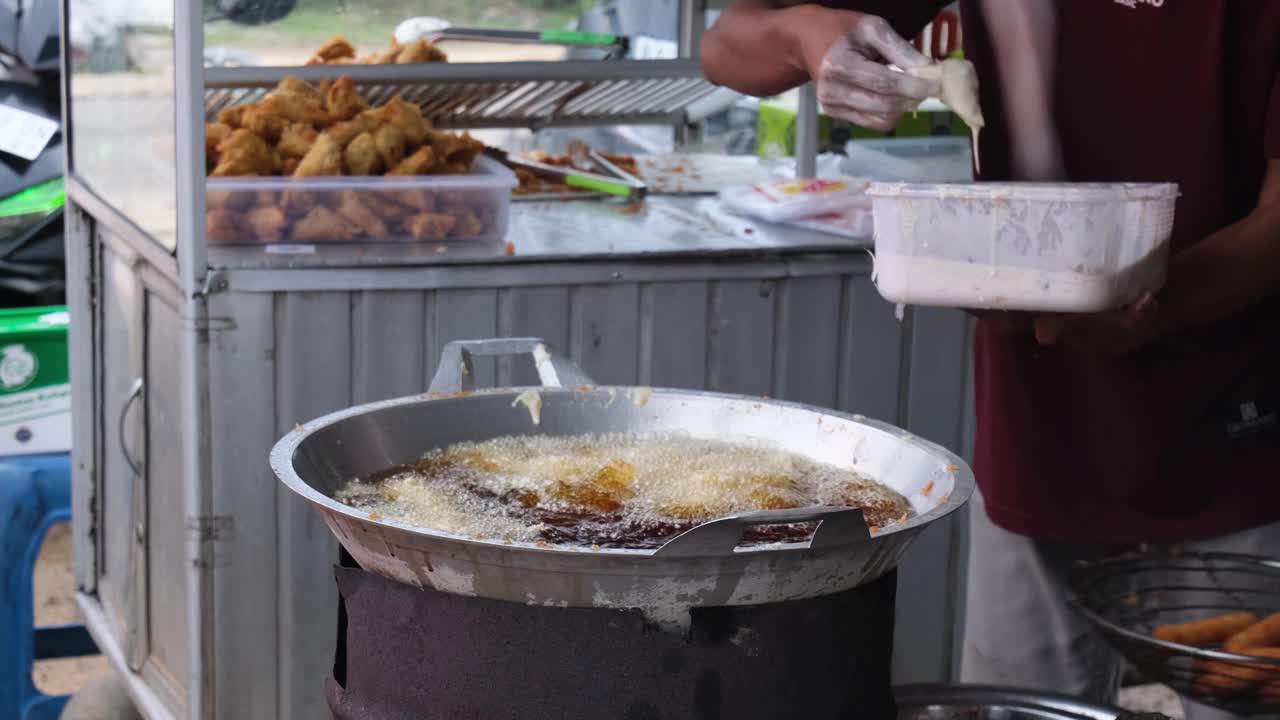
x=855 y=82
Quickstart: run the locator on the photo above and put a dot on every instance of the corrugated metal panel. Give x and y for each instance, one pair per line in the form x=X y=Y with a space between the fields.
x=246 y=579
x=312 y=378
x=827 y=340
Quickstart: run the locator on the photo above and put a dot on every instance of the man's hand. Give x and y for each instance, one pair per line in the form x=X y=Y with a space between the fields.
x=1114 y=332
x=849 y=62
x=763 y=48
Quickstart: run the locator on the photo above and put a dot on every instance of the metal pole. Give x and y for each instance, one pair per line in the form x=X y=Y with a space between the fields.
x=693 y=22
x=807 y=132
x=193 y=267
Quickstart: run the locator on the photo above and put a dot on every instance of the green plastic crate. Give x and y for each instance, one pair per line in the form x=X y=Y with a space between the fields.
x=35 y=388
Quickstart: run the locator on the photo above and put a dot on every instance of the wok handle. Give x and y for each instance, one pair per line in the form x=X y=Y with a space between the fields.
x=457 y=374
x=837 y=526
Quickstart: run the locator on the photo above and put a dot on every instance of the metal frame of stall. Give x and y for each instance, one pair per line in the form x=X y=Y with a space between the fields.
x=210 y=588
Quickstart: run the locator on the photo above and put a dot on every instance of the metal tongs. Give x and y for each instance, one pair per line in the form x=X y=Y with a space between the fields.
x=590 y=171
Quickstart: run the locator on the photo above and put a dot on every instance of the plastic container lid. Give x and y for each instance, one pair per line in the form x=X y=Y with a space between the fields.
x=1039 y=192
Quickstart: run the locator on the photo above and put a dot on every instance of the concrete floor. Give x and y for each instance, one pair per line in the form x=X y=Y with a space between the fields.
x=54 y=603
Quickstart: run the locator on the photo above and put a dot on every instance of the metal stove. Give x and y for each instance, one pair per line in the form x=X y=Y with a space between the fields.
x=407 y=653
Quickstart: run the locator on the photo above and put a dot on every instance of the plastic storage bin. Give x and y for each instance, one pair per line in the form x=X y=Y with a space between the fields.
x=910 y=159
x=411 y=208
x=1067 y=247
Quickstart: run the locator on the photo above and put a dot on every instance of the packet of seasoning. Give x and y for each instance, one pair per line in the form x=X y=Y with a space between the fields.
x=781 y=201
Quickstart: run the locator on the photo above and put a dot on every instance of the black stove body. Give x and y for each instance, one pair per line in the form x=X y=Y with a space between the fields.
x=411 y=654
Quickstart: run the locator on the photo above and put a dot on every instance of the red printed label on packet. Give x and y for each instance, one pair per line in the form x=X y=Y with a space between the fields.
x=784 y=190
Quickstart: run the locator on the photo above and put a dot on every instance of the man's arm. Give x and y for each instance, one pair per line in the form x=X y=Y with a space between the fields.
x=1228 y=272
x=764 y=47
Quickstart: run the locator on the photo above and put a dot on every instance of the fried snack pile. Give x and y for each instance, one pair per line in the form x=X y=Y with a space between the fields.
x=337 y=50
x=531 y=182
x=1242 y=633
x=305 y=131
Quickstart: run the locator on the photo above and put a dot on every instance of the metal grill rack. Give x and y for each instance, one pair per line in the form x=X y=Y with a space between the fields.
x=496 y=95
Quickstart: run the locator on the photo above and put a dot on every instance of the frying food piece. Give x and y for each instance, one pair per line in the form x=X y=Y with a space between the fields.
x=244 y=153
x=355 y=212
x=603 y=491
x=391 y=144
x=266 y=224
x=323 y=159
x=361 y=156
x=420 y=51
x=1206 y=631
x=405 y=116
x=342 y=101
x=296 y=139
x=1265 y=633
x=214 y=134
x=419 y=163
x=429 y=226
x=323 y=225
x=468 y=224
x=1218 y=677
x=223 y=226
x=334 y=49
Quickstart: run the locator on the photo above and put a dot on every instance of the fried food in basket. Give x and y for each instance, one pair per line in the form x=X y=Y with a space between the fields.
x=304 y=131
x=1264 y=633
x=420 y=51
x=1220 y=677
x=1205 y=631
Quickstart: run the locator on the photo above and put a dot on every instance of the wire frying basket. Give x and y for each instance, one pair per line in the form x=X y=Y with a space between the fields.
x=1128 y=597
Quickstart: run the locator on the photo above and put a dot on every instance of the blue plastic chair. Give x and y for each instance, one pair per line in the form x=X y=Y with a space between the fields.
x=35 y=493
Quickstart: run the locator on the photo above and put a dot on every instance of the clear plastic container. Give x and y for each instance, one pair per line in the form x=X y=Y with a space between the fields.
x=411 y=208
x=1064 y=247
x=910 y=159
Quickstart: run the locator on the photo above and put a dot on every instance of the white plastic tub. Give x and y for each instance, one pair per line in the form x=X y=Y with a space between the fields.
x=1069 y=247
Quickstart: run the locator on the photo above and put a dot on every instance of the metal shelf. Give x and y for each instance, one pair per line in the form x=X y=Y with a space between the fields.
x=476 y=95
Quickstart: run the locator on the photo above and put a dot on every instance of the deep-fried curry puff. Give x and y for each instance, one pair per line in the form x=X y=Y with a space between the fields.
x=323 y=225
x=296 y=139
x=361 y=156
x=244 y=153
x=223 y=226
x=322 y=160
x=429 y=226
x=421 y=162
x=341 y=100
x=407 y=117
x=351 y=208
x=391 y=144
x=266 y=224
x=214 y=134
x=420 y=51
x=334 y=49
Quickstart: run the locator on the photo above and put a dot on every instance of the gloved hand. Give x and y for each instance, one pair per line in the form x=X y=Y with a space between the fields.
x=854 y=80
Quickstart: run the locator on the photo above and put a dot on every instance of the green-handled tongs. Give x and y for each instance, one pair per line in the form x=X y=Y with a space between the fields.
x=618 y=183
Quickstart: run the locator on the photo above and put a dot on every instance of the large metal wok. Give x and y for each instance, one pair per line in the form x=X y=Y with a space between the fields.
x=701 y=567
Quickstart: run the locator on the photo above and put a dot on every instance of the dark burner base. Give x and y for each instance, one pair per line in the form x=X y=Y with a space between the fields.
x=411 y=654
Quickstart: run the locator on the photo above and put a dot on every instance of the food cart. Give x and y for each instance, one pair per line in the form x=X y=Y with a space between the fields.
x=206 y=583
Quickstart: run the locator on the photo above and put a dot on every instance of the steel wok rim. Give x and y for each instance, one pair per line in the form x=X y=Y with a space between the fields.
x=281 y=460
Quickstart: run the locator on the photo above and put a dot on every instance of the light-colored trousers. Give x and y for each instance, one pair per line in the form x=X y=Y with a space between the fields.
x=1021 y=632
